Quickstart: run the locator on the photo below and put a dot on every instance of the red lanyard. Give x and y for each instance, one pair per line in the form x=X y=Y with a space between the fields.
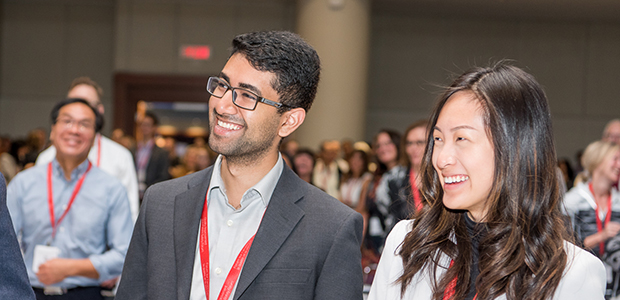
x=50 y=197
x=450 y=289
x=98 y=150
x=233 y=275
x=599 y=225
x=417 y=200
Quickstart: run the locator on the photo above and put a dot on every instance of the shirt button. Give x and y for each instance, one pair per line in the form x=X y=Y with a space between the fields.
x=218 y=271
x=229 y=223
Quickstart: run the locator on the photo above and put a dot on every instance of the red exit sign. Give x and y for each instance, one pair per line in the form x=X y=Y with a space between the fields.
x=196 y=52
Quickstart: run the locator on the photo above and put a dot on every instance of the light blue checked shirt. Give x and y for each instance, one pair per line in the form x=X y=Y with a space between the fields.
x=98 y=226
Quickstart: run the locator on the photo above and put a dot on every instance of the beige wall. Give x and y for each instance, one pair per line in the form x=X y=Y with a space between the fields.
x=578 y=63
x=149 y=34
x=44 y=44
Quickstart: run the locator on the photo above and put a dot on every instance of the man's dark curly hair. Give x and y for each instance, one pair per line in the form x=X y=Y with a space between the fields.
x=294 y=62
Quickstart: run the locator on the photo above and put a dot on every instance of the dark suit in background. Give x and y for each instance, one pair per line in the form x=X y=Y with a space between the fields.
x=157 y=169
x=307 y=245
x=14 y=283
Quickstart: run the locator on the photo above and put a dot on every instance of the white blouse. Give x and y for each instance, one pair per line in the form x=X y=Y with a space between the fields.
x=351 y=190
x=584 y=276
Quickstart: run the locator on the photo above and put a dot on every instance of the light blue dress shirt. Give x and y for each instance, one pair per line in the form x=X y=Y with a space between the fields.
x=98 y=225
x=230 y=228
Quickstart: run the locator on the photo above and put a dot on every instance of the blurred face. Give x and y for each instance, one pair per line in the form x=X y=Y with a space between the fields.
x=330 y=152
x=237 y=132
x=386 y=150
x=191 y=155
x=303 y=164
x=88 y=93
x=609 y=168
x=202 y=159
x=414 y=146
x=147 y=128
x=74 y=131
x=356 y=163
x=612 y=134
x=463 y=155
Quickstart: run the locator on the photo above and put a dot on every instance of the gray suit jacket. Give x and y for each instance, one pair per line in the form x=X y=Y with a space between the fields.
x=307 y=246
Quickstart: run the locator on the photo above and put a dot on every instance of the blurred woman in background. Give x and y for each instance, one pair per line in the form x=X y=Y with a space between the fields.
x=354 y=180
x=594 y=207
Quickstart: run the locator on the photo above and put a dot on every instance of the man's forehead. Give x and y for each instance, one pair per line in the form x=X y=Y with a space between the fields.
x=86 y=92
x=614 y=127
x=250 y=71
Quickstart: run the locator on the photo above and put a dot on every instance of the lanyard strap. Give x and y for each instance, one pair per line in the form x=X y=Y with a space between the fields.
x=233 y=275
x=98 y=150
x=599 y=224
x=451 y=288
x=50 y=197
x=417 y=200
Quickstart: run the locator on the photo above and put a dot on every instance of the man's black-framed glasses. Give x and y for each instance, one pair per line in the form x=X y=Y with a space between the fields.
x=241 y=97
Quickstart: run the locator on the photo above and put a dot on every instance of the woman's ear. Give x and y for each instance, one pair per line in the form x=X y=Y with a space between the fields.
x=291 y=120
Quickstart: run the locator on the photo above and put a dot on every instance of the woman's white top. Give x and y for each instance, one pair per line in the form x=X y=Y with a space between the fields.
x=584 y=276
x=351 y=190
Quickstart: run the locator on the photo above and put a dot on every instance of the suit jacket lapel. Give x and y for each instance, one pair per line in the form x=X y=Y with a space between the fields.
x=281 y=216
x=187 y=211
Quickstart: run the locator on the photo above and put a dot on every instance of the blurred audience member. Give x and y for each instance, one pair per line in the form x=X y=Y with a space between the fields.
x=38 y=139
x=612 y=132
x=117 y=135
x=594 y=207
x=35 y=143
x=18 y=151
x=289 y=147
x=403 y=191
x=303 y=164
x=106 y=154
x=200 y=142
x=347 y=149
x=85 y=243
x=151 y=161
x=354 y=180
x=8 y=165
x=376 y=210
x=170 y=145
x=568 y=175
x=195 y=159
x=328 y=168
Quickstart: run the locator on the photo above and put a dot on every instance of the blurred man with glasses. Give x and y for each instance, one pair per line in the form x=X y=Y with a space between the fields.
x=73 y=218
x=106 y=154
x=248 y=227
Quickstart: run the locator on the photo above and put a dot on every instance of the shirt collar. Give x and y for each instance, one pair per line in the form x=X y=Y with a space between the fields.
x=76 y=173
x=264 y=187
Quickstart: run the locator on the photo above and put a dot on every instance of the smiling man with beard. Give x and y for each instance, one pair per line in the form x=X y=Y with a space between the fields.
x=248 y=227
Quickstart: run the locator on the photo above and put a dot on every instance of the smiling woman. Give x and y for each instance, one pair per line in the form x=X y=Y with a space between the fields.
x=493 y=228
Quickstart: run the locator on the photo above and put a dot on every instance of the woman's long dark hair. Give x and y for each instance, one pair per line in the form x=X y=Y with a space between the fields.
x=522 y=254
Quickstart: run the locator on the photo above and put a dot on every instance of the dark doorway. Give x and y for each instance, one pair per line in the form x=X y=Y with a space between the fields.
x=129 y=89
